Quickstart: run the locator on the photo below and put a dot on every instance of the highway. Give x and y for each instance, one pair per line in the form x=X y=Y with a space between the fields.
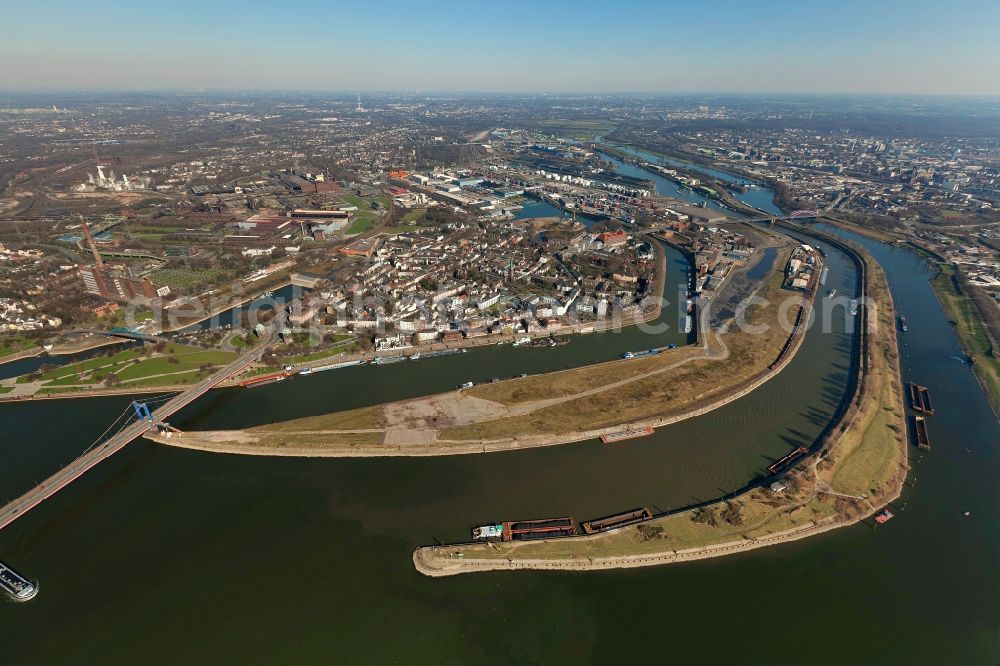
x=65 y=476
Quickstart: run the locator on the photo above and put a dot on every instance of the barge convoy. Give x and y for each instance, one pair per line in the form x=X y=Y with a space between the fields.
x=920 y=399
x=550 y=528
x=15 y=585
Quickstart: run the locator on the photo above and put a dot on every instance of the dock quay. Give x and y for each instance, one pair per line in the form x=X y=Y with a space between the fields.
x=618 y=520
x=920 y=430
x=920 y=399
x=331 y=366
x=785 y=462
x=440 y=352
x=546 y=528
x=631 y=433
x=15 y=585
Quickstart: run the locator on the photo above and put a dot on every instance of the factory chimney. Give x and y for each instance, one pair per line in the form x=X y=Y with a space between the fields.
x=90 y=243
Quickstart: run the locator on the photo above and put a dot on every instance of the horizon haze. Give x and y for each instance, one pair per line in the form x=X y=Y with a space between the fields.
x=592 y=47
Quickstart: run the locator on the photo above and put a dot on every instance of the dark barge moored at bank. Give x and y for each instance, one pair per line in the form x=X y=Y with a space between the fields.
x=616 y=521
x=546 y=528
x=785 y=462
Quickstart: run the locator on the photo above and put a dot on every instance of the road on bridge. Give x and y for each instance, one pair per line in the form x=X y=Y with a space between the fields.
x=20 y=506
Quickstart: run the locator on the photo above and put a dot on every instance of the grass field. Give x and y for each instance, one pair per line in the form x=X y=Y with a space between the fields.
x=364 y=217
x=133 y=368
x=354 y=419
x=568 y=382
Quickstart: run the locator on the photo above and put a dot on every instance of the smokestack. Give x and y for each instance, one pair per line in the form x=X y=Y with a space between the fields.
x=93 y=248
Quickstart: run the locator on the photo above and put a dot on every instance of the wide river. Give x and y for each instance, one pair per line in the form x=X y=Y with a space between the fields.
x=163 y=555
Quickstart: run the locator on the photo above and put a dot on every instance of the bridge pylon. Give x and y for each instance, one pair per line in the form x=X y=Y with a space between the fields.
x=142 y=413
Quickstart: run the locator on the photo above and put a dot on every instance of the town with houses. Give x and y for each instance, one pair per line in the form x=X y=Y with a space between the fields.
x=402 y=216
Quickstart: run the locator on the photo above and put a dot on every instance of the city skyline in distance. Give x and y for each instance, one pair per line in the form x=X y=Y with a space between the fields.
x=590 y=47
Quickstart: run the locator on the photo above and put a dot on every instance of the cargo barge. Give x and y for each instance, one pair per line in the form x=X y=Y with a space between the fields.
x=902 y=324
x=618 y=520
x=548 y=528
x=631 y=433
x=824 y=275
x=884 y=516
x=254 y=382
x=331 y=366
x=854 y=306
x=920 y=430
x=787 y=461
x=17 y=586
x=920 y=399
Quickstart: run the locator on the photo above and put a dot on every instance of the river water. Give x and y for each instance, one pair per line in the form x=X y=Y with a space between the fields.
x=163 y=555
x=759 y=196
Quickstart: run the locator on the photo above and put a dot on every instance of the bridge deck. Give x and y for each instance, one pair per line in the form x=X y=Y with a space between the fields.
x=20 y=506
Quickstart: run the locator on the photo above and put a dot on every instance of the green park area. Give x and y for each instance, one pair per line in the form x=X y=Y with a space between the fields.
x=15 y=344
x=160 y=365
x=365 y=217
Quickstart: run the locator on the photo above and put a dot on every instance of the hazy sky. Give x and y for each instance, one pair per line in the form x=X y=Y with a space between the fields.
x=868 y=46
